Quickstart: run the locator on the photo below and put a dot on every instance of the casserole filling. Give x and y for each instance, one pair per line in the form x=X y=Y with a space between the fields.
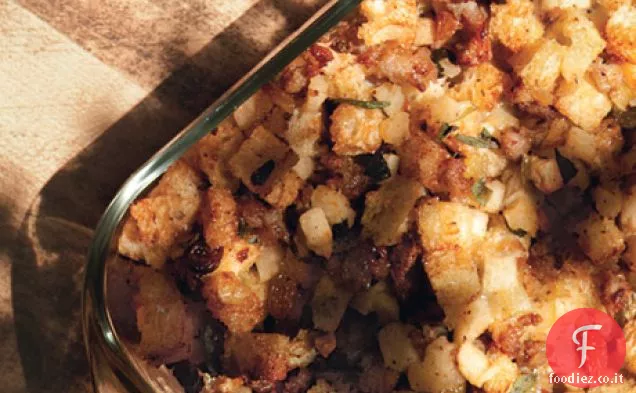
x=409 y=206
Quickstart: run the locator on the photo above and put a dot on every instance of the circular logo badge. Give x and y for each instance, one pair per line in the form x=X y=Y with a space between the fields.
x=585 y=348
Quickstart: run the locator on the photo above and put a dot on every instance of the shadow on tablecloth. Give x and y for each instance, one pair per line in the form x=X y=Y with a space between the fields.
x=49 y=254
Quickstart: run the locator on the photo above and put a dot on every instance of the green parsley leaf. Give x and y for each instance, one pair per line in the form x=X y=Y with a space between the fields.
x=487 y=136
x=373 y=104
x=525 y=383
x=474 y=142
x=444 y=130
x=480 y=191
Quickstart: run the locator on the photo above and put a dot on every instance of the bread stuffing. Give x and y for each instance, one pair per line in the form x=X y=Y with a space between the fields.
x=408 y=207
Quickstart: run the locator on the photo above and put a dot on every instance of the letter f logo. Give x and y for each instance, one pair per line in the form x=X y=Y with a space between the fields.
x=583 y=346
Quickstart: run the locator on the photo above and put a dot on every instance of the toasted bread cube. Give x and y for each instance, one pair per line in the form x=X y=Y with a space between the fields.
x=515 y=24
x=346 y=78
x=161 y=317
x=159 y=223
x=540 y=74
x=317 y=231
x=628 y=212
x=386 y=210
x=424 y=32
x=334 y=204
x=608 y=199
x=212 y=152
x=583 y=104
x=600 y=239
x=474 y=320
x=396 y=346
x=483 y=85
x=377 y=299
x=520 y=204
x=620 y=32
x=437 y=372
x=552 y=5
x=388 y=20
x=233 y=302
x=482 y=163
x=595 y=147
x=455 y=281
x=306 y=125
x=395 y=129
x=262 y=158
x=355 y=130
x=472 y=363
x=259 y=355
x=573 y=288
x=494 y=201
x=393 y=94
x=445 y=225
x=304 y=131
x=239 y=256
x=613 y=5
x=609 y=79
x=253 y=110
x=219 y=218
x=545 y=174
x=420 y=160
x=586 y=43
x=285 y=190
x=501 y=375
x=269 y=261
x=328 y=304
x=501 y=281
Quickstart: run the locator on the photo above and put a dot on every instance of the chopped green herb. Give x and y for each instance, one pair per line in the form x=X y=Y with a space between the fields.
x=444 y=130
x=475 y=142
x=260 y=176
x=487 y=136
x=566 y=167
x=373 y=104
x=525 y=383
x=627 y=119
x=375 y=166
x=480 y=191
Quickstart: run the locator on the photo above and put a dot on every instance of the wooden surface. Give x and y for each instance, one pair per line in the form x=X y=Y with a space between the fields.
x=89 y=89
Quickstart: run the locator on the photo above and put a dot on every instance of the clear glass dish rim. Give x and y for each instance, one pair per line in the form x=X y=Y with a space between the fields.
x=97 y=325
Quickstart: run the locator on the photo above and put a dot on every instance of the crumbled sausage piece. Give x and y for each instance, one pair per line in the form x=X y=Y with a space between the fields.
x=400 y=65
x=345 y=175
x=233 y=302
x=403 y=259
x=507 y=336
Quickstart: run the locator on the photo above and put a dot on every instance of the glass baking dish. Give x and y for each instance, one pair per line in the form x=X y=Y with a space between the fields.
x=113 y=367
